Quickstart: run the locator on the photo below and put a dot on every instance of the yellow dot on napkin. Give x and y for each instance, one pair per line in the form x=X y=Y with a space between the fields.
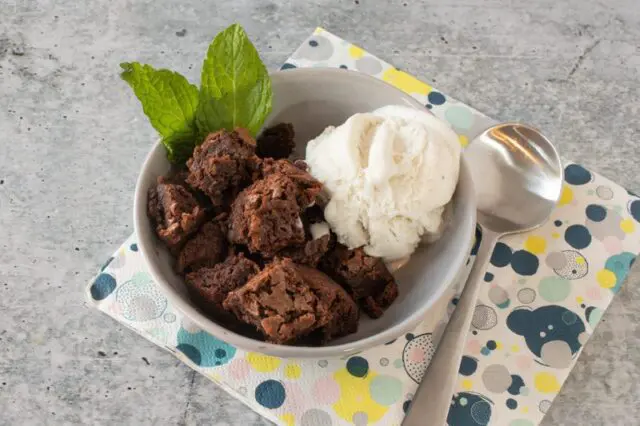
x=288 y=419
x=627 y=226
x=535 y=244
x=555 y=235
x=263 y=363
x=356 y=52
x=566 y=197
x=579 y=299
x=515 y=348
x=405 y=82
x=580 y=260
x=525 y=410
x=546 y=383
x=606 y=278
x=498 y=345
x=359 y=394
x=292 y=371
x=464 y=141
x=467 y=384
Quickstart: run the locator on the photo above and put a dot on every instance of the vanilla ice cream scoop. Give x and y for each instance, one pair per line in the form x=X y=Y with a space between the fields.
x=389 y=174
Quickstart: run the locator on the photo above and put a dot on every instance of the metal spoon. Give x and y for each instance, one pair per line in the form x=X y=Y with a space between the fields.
x=517 y=176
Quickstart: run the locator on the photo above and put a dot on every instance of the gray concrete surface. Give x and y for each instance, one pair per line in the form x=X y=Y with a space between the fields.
x=72 y=140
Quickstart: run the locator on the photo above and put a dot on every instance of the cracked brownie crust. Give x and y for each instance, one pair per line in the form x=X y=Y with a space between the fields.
x=207 y=248
x=287 y=302
x=266 y=216
x=365 y=277
x=223 y=165
x=209 y=286
x=174 y=211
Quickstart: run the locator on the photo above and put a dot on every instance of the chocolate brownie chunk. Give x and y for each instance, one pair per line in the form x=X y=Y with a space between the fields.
x=310 y=253
x=287 y=302
x=223 y=165
x=307 y=187
x=207 y=248
x=365 y=277
x=174 y=212
x=177 y=177
x=344 y=311
x=209 y=286
x=276 y=141
x=266 y=216
x=279 y=303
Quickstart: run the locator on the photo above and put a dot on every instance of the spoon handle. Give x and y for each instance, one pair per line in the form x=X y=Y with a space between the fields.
x=431 y=403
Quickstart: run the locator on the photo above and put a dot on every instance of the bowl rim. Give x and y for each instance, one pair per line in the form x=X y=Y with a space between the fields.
x=141 y=220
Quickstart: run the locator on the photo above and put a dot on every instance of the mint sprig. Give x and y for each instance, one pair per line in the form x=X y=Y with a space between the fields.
x=170 y=103
x=235 y=91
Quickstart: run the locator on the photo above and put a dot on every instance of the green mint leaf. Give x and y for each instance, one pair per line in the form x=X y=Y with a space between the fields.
x=170 y=102
x=235 y=89
x=246 y=108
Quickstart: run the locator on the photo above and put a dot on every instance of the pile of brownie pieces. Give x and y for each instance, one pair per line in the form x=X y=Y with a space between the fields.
x=238 y=220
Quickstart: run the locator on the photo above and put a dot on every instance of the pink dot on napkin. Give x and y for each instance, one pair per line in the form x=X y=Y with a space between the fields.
x=416 y=355
x=326 y=391
x=593 y=293
x=524 y=362
x=239 y=369
x=612 y=245
x=474 y=346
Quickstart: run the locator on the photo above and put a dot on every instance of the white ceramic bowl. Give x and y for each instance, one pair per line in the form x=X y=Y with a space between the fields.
x=312 y=99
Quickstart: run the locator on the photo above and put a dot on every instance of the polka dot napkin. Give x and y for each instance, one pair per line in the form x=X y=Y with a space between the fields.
x=544 y=294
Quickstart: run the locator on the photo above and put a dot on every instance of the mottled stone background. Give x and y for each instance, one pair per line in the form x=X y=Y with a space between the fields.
x=73 y=138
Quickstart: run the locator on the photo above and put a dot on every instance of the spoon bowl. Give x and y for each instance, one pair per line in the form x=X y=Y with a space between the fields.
x=517 y=176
